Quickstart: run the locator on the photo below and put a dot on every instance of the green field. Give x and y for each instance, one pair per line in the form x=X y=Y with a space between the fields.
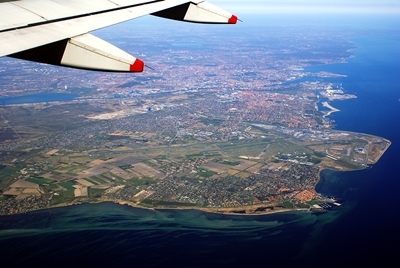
x=141 y=182
x=67 y=185
x=95 y=193
x=231 y=163
x=53 y=186
x=287 y=204
x=205 y=173
x=63 y=197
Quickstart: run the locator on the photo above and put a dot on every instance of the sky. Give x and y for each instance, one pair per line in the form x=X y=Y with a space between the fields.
x=309 y=6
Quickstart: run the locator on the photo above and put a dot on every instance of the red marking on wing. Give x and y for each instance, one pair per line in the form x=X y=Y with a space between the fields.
x=233 y=20
x=137 y=66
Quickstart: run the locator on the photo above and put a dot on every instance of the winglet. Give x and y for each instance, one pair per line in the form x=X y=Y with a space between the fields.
x=137 y=66
x=233 y=20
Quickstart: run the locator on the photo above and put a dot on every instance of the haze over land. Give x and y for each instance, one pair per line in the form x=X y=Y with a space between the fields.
x=312 y=7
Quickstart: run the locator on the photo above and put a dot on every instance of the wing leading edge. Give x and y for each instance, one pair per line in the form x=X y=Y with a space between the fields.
x=36 y=30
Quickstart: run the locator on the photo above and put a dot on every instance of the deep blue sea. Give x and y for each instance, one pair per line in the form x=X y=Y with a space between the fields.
x=364 y=230
x=370 y=231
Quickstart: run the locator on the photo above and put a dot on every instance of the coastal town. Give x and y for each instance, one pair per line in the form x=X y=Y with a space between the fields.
x=219 y=130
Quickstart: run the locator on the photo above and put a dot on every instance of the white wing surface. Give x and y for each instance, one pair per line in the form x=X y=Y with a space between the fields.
x=56 y=31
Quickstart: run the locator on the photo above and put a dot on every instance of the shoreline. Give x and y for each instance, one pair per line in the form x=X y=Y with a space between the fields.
x=330 y=107
x=214 y=210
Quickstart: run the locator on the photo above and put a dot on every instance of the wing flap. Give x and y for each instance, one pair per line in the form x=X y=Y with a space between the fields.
x=89 y=52
x=84 y=52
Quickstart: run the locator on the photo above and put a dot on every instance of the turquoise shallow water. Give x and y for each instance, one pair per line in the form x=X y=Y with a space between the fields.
x=114 y=234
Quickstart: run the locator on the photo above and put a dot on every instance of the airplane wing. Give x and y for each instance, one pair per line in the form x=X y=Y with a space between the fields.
x=57 y=31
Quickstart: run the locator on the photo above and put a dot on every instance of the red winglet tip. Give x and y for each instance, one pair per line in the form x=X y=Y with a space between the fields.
x=233 y=20
x=137 y=66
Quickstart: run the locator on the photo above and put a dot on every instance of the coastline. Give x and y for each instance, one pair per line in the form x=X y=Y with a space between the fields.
x=214 y=210
x=332 y=109
x=234 y=211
